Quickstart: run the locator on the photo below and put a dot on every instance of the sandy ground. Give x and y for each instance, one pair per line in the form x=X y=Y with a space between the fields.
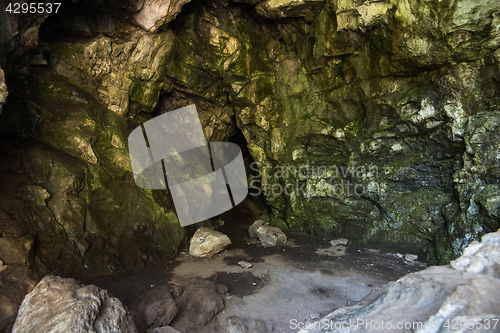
x=301 y=281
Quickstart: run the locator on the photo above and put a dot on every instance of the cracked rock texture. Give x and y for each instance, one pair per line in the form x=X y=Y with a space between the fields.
x=375 y=121
x=65 y=305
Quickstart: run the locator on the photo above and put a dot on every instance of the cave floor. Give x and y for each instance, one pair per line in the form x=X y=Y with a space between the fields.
x=286 y=285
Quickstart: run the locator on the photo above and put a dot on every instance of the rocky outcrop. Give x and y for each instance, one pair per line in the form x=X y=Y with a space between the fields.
x=433 y=300
x=65 y=305
x=151 y=15
x=206 y=242
x=289 y=8
x=15 y=283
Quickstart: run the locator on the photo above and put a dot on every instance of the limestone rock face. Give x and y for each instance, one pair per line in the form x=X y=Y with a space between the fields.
x=15 y=283
x=206 y=242
x=481 y=257
x=289 y=8
x=65 y=305
x=434 y=297
x=155 y=13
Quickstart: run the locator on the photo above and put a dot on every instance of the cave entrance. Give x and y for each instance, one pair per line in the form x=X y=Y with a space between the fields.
x=236 y=221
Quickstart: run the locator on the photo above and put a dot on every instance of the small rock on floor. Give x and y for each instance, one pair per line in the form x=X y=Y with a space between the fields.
x=314 y=316
x=252 y=230
x=339 y=241
x=411 y=257
x=245 y=264
x=271 y=236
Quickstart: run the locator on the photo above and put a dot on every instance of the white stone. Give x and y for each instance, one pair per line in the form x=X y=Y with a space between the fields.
x=411 y=257
x=206 y=242
x=339 y=241
x=245 y=264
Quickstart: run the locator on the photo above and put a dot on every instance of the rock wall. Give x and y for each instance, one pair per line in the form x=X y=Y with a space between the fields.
x=372 y=120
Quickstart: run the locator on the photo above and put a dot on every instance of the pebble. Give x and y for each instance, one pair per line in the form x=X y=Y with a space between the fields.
x=411 y=257
x=245 y=264
x=340 y=241
x=314 y=316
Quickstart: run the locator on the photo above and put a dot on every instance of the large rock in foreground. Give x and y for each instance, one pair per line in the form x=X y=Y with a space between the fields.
x=206 y=242
x=198 y=301
x=434 y=300
x=155 y=308
x=64 y=305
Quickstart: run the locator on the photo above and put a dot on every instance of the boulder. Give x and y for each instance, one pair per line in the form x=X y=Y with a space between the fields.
x=206 y=242
x=198 y=301
x=271 y=236
x=155 y=308
x=65 y=305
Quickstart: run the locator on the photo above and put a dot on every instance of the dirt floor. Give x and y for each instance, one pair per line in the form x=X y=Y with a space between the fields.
x=301 y=281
